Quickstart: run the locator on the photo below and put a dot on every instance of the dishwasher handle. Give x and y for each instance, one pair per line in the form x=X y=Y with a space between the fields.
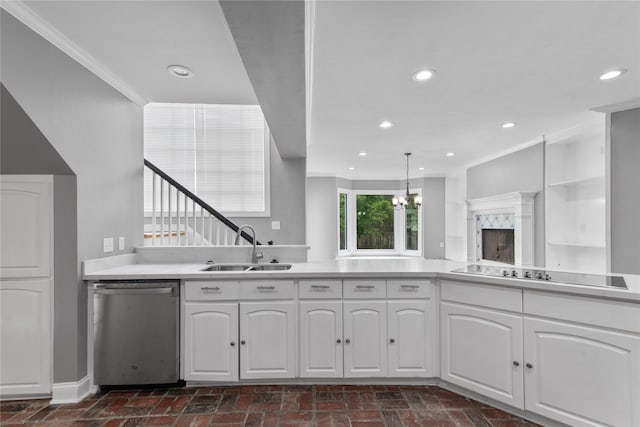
x=133 y=291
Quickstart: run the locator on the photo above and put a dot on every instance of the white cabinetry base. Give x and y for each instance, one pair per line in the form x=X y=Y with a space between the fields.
x=72 y=392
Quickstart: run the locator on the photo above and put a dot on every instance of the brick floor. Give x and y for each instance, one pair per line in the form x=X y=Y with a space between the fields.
x=294 y=405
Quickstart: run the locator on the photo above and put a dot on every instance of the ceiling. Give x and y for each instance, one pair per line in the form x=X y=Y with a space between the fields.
x=532 y=62
x=137 y=40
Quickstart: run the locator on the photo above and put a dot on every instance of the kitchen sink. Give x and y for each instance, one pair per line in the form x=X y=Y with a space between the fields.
x=247 y=267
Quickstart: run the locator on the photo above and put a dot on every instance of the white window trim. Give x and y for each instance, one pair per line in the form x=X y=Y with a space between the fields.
x=399 y=223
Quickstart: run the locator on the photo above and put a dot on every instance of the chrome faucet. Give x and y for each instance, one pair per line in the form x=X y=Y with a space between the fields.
x=255 y=256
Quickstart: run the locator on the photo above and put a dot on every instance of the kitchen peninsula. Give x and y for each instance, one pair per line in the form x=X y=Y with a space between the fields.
x=554 y=353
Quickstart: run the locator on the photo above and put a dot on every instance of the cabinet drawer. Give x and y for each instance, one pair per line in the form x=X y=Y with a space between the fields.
x=321 y=289
x=409 y=289
x=266 y=289
x=592 y=311
x=211 y=290
x=358 y=289
x=483 y=295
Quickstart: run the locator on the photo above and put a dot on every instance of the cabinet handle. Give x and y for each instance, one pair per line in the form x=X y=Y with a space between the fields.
x=347 y=340
x=365 y=286
x=516 y=363
x=392 y=340
x=529 y=365
x=208 y=288
x=243 y=342
x=233 y=343
x=319 y=286
x=409 y=286
x=266 y=288
x=338 y=340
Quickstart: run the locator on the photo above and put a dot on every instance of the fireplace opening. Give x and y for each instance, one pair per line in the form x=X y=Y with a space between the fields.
x=497 y=245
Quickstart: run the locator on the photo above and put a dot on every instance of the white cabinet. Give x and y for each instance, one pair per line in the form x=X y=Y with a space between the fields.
x=26 y=285
x=25 y=353
x=481 y=350
x=365 y=338
x=267 y=340
x=211 y=337
x=321 y=339
x=581 y=376
x=410 y=338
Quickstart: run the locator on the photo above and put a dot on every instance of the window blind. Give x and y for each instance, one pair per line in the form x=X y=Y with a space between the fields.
x=218 y=152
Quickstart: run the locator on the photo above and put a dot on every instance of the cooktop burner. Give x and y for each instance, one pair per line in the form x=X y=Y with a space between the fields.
x=544 y=275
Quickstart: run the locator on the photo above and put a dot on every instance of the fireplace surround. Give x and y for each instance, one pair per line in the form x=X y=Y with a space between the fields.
x=510 y=211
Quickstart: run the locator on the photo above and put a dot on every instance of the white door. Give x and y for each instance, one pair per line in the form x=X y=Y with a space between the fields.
x=211 y=342
x=581 y=376
x=321 y=339
x=26 y=284
x=267 y=340
x=365 y=338
x=410 y=338
x=481 y=350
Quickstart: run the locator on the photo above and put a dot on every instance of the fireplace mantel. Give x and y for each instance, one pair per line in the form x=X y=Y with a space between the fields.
x=520 y=206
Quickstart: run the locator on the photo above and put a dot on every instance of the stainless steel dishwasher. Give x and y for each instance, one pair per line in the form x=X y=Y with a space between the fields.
x=135 y=326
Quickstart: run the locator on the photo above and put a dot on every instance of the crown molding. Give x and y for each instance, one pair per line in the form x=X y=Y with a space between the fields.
x=619 y=106
x=40 y=26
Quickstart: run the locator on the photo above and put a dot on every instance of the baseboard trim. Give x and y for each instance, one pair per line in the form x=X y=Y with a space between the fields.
x=72 y=392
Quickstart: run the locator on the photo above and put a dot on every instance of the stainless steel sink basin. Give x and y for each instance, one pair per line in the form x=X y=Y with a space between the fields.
x=247 y=267
x=270 y=267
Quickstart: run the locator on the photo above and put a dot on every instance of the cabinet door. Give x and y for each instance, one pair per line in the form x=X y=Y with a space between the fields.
x=410 y=340
x=365 y=338
x=25 y=334
x=582 y=376
x=211 y=342
x=321 y=339
x=267 y=340
x=26 y=215
x=481 y=350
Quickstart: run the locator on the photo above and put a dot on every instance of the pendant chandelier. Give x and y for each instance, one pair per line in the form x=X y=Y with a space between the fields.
x=404 y=200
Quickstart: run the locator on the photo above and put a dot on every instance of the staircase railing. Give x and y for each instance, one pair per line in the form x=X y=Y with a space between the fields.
x=179 y=217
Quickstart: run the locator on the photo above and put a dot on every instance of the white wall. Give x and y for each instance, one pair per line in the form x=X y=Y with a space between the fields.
x=98 y=133
x=456 y=216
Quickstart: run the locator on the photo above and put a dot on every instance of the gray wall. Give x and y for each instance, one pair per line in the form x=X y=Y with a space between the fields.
x=287 y=202
x=98 y=133
x=322 y=221
x=625 y=195
x=519 y=171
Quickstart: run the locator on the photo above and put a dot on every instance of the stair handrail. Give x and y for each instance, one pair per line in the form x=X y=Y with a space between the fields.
x=204 y=205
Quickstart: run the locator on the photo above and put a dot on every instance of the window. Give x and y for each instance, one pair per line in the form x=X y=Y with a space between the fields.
x=218 y=152
x=369 y=224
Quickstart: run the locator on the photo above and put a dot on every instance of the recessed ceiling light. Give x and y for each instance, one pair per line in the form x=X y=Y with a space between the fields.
x=420 y=169
x=508 y=125
x=180 y=71
x=352 y=168
x=423 y=75
x=613 y=74
x=362 y=153
x=451 y=154
x=385 y=124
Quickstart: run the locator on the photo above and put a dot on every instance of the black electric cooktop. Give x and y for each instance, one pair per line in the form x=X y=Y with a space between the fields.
x=599 y=280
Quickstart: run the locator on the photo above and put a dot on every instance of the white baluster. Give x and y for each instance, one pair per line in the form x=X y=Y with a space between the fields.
x=210 y=228
x=153 y=209
x=186 y=221
x=193 y=216
x=162 y=212
x=169 y=208
x=218 y=233
x=201 y=225
x=177 y=217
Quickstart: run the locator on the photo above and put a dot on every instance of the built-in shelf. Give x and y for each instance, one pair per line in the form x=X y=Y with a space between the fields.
x=579 y=244
x=577 y=181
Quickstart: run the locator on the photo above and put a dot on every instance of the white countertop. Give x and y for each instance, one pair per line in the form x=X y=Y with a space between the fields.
x=126 y=267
